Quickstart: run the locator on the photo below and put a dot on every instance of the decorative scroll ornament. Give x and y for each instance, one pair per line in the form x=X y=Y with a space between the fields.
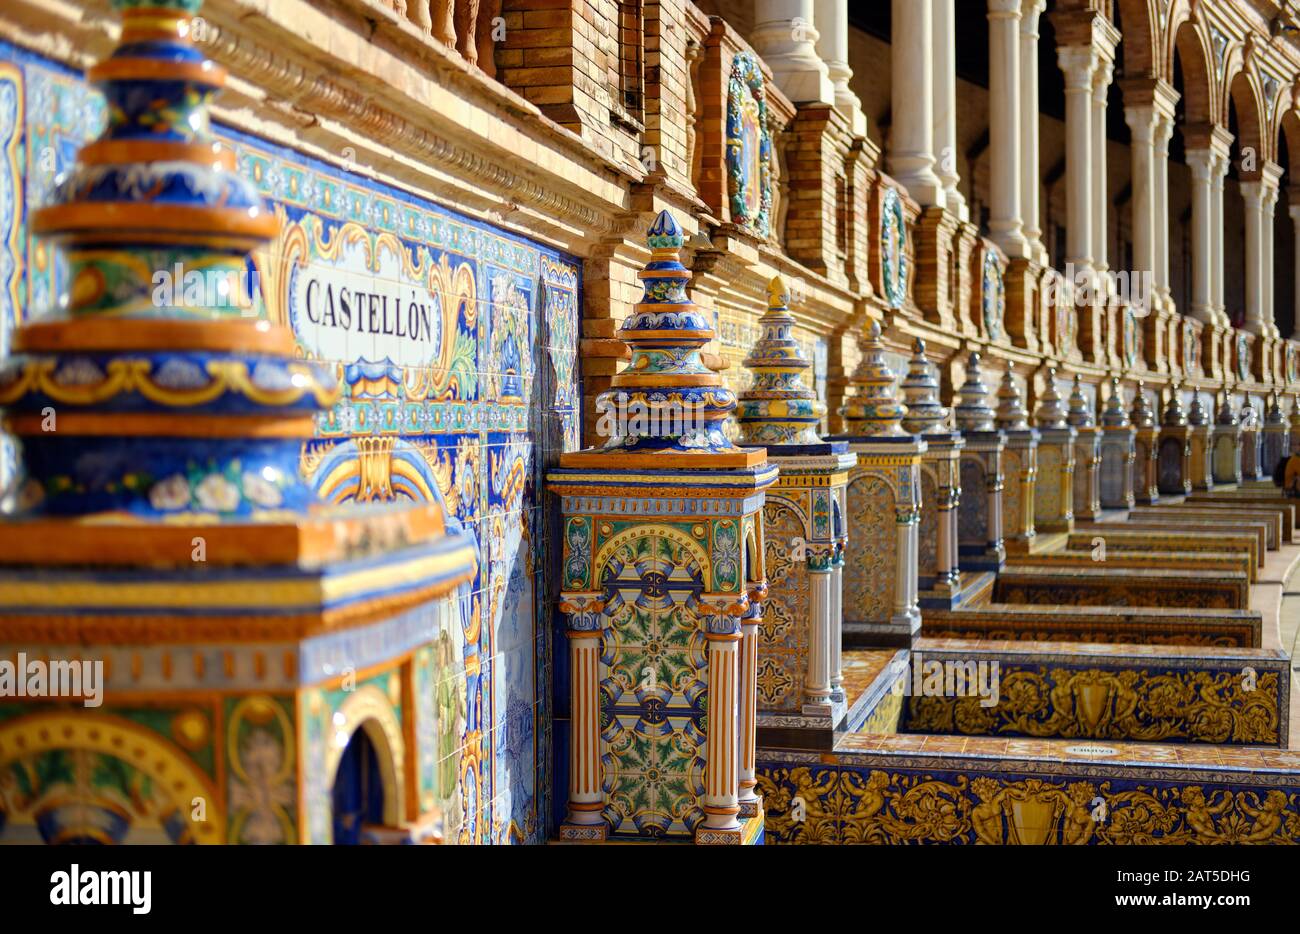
x=875 y=409
x=993 y=296
x=1174 y=416
x=893 y=248
x=778 y=408
x=921 y=393
x=1011 y=414
x=1142 y=415
x=1081 y=411
x=1113 y=415
x=749 y=146
x=973 y=412
x=667 y=401
x=1051 y=409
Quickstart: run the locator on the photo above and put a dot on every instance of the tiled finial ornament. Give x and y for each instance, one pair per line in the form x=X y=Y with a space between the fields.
x=667 y=403
x=875 y=409
x=921 y=393
x=778 y=408
x=973 y=412
x=1196 y=415
x=1011 y=408
x=1113 y=415
x=169 y=402
x=1081 y=411
x=1274 y=414
x=1142 y=415
x=1174 y=416
x=1226 y=415
x=1051 y=409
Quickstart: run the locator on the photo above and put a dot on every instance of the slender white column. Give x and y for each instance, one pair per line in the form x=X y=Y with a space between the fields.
x=833 y=48
x=837 y=625
x=1293 y=209
x=586 y=795
x=944 y=62
x=786 y=38
x=721 y=798
x=1100 y=188
x=1272 y=176
x=1217 y=234
x=1031 y=170
x=911 y=133
x=817 y=679
x=1006 y=225
x=1202 y=163
x=1078 y=64
x=1141 y=119
x=747 y=742
x=1252 y=195
x=1163 y=132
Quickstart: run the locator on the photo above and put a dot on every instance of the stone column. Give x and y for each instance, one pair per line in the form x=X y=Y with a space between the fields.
x=944 y=63
x=1142 y=120
x=786 y=38
x=1220 y=170
x=833 y=48
x=837 y=624
x=1202 y=163
x=1252 y=195
x=1078 y=64
x=748 y=704
x=1100 y=188
x=1293 y=208
x=1163 y=133
x=817 y=681
x=1006 y=225
x=721 y=799
x=1270 y=178
x=586 y=792
x=1030 y=170
x=911 y=134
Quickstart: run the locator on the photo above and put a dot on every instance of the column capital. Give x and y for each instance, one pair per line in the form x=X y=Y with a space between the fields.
x=1141 y=120
x=1208 y=136
x=1029 y=13
x=1078 y=63
x=1201 y=162
x=1004 y=9
x=1101 y=80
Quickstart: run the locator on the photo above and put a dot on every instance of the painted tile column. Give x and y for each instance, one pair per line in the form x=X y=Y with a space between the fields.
x=1146 y=437
x=1054 y=489
x=1252 y=442
x=664 y=530
x=1087 y=454
x=1174 y=461
x=979 y=512
x=1227 y=445
x=1118 y=452
x=939 y=578
x=173 y=470
x=883 y=505
x=1277 y=435
x=1019 y=466
x=803 y=521
x=1201 y=442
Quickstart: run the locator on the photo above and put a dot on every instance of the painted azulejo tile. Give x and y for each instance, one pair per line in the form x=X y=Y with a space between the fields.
x=449 y=336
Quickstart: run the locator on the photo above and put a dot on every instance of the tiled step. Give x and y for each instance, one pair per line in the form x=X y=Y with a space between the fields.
x=1101 y=624
x=1102 y=586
